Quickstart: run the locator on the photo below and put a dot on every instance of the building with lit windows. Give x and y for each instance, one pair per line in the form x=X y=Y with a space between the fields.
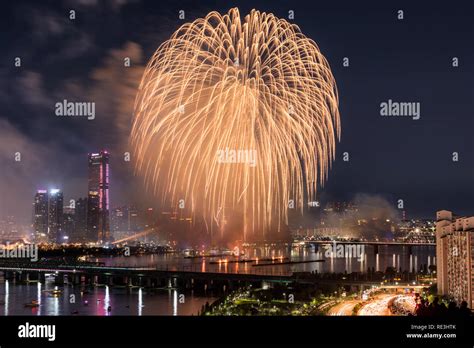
x=80 y=221
x=98 y=224
x=455 y=256
x=69 y=223
x=55 y=216
x=40 y=215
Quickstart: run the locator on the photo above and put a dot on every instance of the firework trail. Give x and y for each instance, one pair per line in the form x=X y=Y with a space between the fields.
x=223 y=85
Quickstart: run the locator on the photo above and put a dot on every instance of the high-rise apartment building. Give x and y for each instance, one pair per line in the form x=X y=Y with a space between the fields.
x=55 y=216
x=455 y=256
x=40 y=214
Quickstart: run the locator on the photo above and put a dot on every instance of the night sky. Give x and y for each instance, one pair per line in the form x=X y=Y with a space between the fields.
x=407 y=60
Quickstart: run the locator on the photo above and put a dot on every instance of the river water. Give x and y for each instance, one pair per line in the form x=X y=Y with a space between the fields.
x=14 y=298
x=96 y=301
x=273 y=260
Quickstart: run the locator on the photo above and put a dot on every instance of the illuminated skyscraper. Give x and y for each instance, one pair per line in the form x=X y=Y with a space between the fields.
x=69 y=223
x=40 y=218
x=455 y=256
x=98 y=226
x=119 y=219
x=80 y=219
x=135 y=223
x=55 y=216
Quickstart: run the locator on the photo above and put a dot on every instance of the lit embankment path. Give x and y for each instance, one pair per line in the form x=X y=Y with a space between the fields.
x=344 y=308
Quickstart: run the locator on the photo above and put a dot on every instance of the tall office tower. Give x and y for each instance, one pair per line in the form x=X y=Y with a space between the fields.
x=80 y=219
x=119 y=219
x=149 y=219
x=69 y=223
x=40 y=216
x=55 y=216
x=98 y=225
x=135 y=223
x=455 y=256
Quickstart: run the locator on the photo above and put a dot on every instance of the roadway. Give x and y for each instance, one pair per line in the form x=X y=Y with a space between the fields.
x=379 y=305
x=344 y=308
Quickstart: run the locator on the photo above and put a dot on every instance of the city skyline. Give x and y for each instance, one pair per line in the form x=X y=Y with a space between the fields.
x=296 y=163
x=393 y=157
x=47 y=220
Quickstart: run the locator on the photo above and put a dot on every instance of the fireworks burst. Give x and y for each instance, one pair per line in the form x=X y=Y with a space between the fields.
x=223 y=85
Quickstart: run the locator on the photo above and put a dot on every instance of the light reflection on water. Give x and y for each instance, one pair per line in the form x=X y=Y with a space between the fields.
x=378 y=258
x=138 y=301
x=175 y=302
x=106 y=300
x=94 y=301
x=38 y=297
x=7 y=296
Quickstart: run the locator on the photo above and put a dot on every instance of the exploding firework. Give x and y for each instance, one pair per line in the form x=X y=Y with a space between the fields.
x=235 y=116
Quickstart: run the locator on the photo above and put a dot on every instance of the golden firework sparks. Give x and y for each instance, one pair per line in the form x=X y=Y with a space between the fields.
x=223 y=90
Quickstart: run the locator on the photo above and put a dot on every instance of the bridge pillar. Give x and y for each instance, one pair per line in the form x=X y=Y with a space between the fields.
x=189 y=283
x=128 y=283
x=59 y=279
x=76 y=279
x=21 y=277
x=116 y=281
x=32 y=276
x=102 y=279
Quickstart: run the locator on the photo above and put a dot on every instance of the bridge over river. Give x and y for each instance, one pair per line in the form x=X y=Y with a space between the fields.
x=161 y=277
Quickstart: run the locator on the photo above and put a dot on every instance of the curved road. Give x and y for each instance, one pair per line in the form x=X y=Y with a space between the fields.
x=377 y=306
x=344 y=308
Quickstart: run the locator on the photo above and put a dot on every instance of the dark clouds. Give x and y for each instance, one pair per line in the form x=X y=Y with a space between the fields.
x=82 y=60
x=54 y=149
